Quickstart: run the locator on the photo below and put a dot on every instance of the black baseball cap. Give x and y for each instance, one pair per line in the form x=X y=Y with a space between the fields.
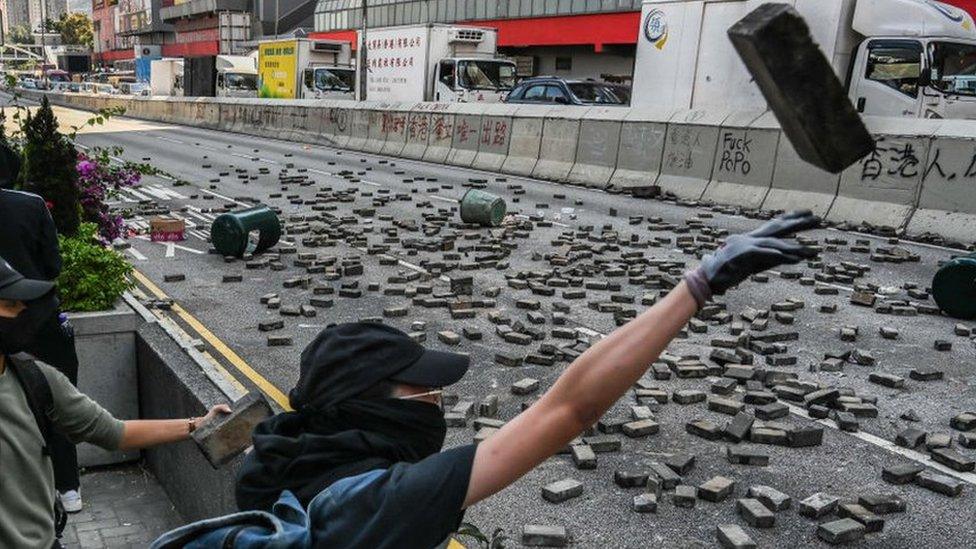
x=347 y=359
x=14 y=287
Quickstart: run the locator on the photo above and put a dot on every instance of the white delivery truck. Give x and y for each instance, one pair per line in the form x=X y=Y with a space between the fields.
x=166 y=77
x=909 y=58
x=444 y=63
x=300 y=68
x=237 y=76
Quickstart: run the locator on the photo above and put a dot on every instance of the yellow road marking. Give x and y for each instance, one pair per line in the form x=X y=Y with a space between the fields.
x=266 y=386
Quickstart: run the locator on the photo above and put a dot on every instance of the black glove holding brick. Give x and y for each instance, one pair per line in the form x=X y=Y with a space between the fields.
x=747 y=254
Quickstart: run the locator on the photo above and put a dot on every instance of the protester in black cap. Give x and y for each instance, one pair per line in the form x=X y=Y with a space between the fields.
x=357 y=464
x=29 y=242
x=35 y=399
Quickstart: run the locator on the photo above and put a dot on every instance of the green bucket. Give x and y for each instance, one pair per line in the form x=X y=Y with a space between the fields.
x=954 y=288
x=253 y=230
x=482 y=208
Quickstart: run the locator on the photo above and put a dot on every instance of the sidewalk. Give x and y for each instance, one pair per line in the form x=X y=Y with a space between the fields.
x=124 y=507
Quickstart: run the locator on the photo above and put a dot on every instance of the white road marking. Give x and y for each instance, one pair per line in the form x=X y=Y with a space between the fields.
x=320 y=172
x=151 y=190
x=170 y=249
x=169 y=139
x=185 y=249
x=890 y=446
x=137 y=254
x=444 y=199
x=370 y=183
x=227 y=198
x=170 y=193
x=138 y=194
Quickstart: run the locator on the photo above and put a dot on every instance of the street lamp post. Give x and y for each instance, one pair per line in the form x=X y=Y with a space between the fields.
x=363 y=56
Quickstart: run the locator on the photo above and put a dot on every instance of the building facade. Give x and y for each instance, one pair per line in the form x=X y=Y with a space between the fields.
x=128 y=29
x=571 y=38
x=31 y=13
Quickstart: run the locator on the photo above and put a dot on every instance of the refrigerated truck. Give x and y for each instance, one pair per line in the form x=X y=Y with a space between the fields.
x=301 y=68
x=447 y=63
x=237 y=76
x=205 y=76
x=166 y=77
x=907 y=58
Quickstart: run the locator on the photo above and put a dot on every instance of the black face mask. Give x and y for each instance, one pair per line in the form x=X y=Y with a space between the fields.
x=18 y=333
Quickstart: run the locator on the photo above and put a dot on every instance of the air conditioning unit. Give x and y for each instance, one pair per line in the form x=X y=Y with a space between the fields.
x=328 y=47
x=468 y=36
x=148 y=50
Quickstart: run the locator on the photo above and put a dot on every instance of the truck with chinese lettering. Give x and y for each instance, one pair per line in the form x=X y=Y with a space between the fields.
x=300 y=68
x=446 y=63
x=906 y=58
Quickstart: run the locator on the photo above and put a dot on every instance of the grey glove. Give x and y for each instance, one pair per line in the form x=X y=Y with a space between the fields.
x=747 y=254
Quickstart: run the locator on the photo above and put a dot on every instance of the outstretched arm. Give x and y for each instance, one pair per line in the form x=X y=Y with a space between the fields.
x=144 y=433
x=604 y=373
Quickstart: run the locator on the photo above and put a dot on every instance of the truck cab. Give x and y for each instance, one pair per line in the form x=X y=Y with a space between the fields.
x=923 y=70
x=329 y=82
x=907 y=58
x=473 y=80
x=237 y=76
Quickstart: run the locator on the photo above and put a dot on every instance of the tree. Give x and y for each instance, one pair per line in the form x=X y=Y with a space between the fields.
x=76 y=29
x=20 y=34
x=49 y=168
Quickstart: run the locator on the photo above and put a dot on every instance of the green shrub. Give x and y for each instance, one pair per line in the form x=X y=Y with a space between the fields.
x=93 y=277
x=49 y=168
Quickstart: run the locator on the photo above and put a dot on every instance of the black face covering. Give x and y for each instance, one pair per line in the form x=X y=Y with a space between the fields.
x=18 y=333
x=306 y=452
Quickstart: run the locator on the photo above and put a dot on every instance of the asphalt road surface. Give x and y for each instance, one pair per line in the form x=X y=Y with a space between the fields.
x=400 y=219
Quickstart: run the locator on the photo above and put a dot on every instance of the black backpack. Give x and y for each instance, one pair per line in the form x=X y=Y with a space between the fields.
x=40 y=399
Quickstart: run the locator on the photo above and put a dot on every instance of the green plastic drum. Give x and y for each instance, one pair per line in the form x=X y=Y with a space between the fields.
x=954 y=288
x=482 y=208
x=248 y=231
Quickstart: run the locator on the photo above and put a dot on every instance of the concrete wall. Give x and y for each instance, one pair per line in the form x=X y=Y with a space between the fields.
x=918 y=180
x=173 y=386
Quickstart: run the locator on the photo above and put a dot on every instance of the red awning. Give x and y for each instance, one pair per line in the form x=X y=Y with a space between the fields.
x=578 y=30
x=968 y=5
x=595 y=30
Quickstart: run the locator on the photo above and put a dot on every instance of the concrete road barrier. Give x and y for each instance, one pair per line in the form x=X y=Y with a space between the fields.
x=359 y=120
x=525 y=140
x=799 y=185
x=418 y=132
x=947 y=202
x=467 y=134
x=744 y=160
x=597 y=147
x=395 y=123
x=336 y=124
x=689 y=152
x=380 y=120
x=560 y=139
x=300 y=116
x=496 y=134
x=441 y=134
x=641 y=148
x=228 y=113
x=916 y=180
x=882 y=188
x=207 y=113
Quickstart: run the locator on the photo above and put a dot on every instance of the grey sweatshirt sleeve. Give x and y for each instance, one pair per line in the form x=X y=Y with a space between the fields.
x=79 y=417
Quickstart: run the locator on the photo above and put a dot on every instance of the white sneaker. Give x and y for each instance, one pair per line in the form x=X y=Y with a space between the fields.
x=71 y=501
